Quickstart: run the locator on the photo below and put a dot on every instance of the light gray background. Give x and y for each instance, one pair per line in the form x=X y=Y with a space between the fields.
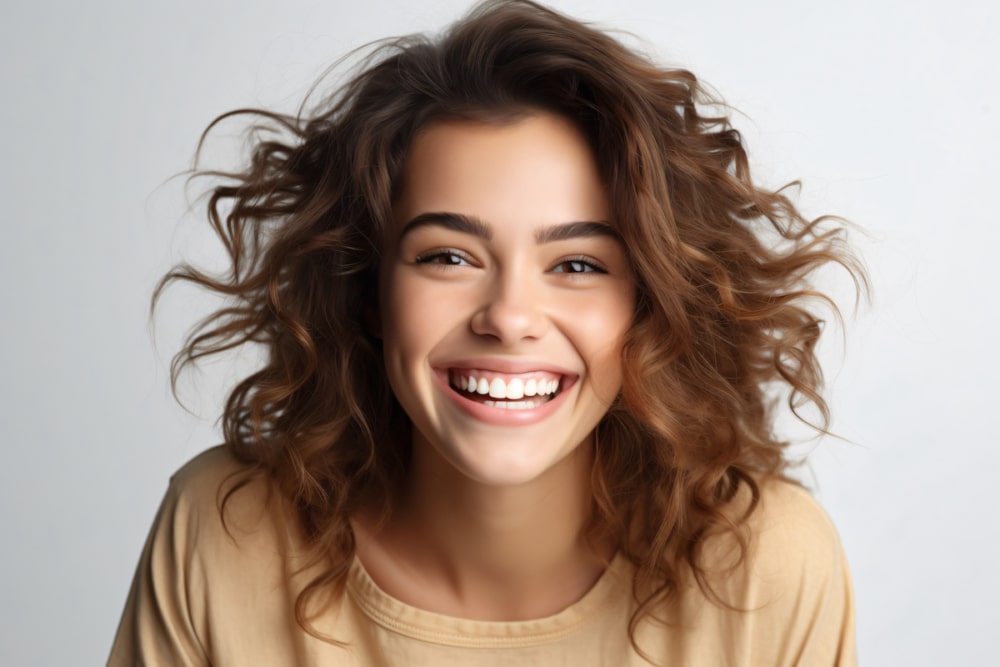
x=886 y=110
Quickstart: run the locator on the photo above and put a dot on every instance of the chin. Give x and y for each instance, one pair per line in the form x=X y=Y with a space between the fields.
x=510 y=463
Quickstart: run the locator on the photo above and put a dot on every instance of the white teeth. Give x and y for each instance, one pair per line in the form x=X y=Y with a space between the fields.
x=513 y=405
x=513 y=390
x=498 y=389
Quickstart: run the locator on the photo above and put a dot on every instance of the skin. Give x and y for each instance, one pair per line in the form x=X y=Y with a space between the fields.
x=505 y=264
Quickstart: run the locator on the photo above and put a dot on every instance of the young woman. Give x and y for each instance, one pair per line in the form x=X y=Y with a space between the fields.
x=524 y=308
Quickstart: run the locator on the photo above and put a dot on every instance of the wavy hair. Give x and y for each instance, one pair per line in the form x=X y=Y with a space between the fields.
x=722 y=319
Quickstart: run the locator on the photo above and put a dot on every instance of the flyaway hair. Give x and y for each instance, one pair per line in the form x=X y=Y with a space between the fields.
x=722 y=322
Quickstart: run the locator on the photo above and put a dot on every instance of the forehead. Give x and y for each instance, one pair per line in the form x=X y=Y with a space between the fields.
x=538 y=169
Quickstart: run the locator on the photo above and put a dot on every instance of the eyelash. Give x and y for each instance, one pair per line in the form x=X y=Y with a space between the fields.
x=433 y=257
x=590 y=265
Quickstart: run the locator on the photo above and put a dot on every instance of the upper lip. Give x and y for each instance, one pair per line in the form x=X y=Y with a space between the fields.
x=512 y=366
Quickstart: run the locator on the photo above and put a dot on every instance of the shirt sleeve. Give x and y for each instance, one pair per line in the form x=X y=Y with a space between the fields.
x=798 y=586
x=159 y=625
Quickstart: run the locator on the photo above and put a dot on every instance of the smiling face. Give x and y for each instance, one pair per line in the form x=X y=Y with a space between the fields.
x=505 y=297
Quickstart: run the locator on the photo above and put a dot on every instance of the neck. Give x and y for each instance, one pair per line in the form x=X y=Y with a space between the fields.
x=467 y=549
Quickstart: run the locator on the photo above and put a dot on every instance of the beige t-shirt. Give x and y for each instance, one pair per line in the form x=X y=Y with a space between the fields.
x=202 y=596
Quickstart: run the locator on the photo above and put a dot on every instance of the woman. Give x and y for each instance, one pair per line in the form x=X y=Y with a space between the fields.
x=521 y=302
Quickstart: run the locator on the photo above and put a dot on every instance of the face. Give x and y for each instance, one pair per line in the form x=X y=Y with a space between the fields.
x=504 y=297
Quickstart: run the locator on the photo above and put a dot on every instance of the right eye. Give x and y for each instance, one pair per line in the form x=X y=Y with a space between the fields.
x=444 y=257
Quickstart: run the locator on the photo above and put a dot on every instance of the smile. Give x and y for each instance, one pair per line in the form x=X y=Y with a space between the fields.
x=522 y=391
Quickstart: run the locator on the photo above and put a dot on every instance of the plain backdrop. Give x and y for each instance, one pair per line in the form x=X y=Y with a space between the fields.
x=886 y=110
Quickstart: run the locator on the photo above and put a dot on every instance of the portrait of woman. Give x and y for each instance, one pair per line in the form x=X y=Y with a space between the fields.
x=499 y=332
x=522 y=303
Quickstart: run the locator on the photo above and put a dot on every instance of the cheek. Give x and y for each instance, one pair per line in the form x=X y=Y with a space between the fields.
x=600 y=331
x=608 y=316
x=415 y=315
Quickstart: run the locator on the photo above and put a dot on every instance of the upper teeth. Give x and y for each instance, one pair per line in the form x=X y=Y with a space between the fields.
x=514 y=388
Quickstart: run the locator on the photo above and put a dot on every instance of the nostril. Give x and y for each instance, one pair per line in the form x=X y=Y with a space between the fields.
x=507 y=321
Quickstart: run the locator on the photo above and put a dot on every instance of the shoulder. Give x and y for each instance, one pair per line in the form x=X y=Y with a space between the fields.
x=198 y=481
x=785 y=528
x=214 y=481
x=219 y=547
x=789 y=600
x=791 y=547
x=214 y=462
x=217 y=504
x=789 y=529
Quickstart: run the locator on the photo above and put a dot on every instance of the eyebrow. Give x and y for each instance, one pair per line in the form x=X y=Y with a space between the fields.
x=575 y=230
x=468 y=224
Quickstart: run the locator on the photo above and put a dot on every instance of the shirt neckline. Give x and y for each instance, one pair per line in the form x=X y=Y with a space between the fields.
x=429 y=626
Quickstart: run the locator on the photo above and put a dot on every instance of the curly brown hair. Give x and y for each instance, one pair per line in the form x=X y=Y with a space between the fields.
x=721 y=264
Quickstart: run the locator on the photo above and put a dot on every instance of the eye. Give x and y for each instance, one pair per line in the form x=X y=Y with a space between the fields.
x=444 y=257
x=578 y=265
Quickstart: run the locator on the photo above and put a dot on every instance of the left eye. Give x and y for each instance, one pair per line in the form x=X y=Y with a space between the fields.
x=577 y=266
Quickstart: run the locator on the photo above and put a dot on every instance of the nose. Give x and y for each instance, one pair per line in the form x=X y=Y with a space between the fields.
x=513 y=310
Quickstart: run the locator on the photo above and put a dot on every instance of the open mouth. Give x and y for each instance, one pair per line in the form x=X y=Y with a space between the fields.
x=523 y=391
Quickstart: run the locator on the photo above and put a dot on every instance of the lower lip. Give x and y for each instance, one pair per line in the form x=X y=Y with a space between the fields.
x=501 y=416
